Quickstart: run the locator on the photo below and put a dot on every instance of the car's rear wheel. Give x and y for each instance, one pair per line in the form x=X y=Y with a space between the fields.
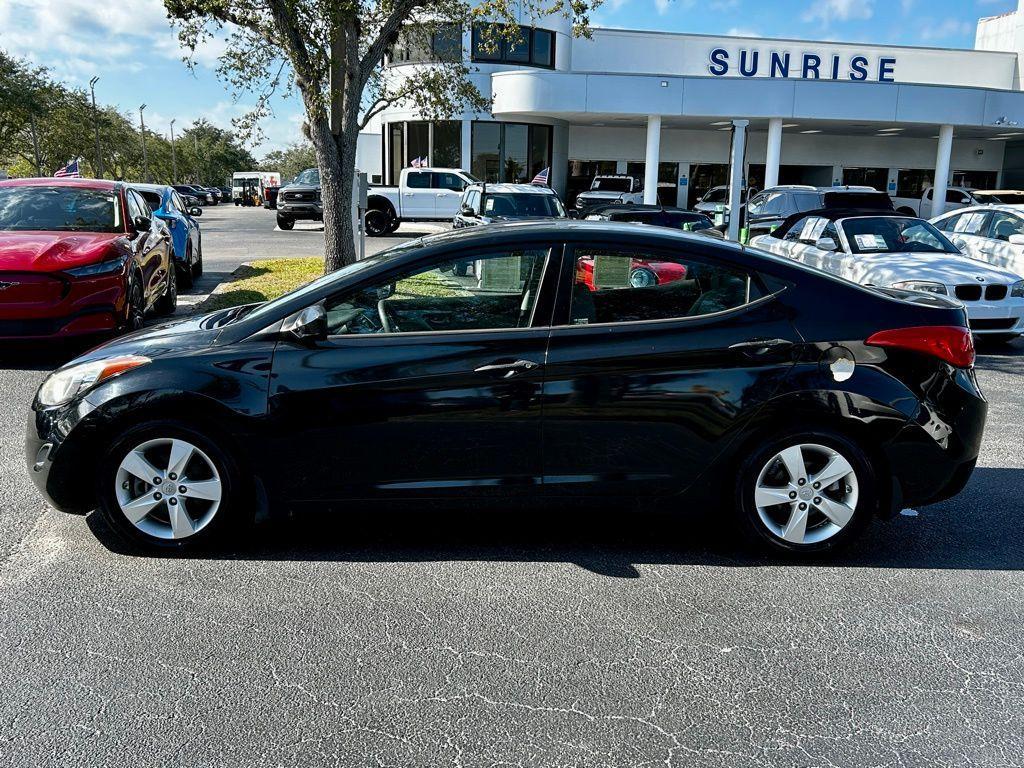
x=167 y=303
x=376 y=222
x=164 y=485
x=185 y=272
x=806 y=492
x=285 y=223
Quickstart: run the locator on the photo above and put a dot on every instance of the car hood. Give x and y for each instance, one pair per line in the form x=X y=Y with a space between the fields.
x=53 y=251
x=946 y=268
x=298 y=188
x=597 y=194
x=172 y=337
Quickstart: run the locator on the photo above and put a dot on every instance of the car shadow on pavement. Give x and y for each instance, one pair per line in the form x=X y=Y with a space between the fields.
x=978 y=530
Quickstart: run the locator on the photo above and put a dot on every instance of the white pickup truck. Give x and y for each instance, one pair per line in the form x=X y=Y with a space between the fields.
x=422 y=194
x=956 y=197
x=627 y=190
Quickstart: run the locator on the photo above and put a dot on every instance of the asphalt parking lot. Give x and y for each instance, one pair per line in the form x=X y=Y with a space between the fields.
x=610 y=637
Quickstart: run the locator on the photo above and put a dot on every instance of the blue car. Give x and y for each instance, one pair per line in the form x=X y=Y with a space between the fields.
x=168 y=206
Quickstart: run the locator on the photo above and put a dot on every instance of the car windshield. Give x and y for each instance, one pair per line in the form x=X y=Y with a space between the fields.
x=56 y=208
x=524 y=205
x=310 y=176
x=717 y=195
x=346 y=271
x=888 y=234
x=611 y=184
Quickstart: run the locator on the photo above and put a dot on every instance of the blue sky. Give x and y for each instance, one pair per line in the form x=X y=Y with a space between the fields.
x=131 y=46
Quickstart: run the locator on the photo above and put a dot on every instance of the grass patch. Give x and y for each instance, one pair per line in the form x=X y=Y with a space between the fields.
x=265 y=280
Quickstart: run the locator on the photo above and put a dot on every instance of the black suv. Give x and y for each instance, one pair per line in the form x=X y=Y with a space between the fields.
x=300 y=200
x=770 y=208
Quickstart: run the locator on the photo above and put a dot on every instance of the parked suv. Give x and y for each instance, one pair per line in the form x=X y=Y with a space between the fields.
x=488 y=203
x=300 y=200
x=623 y=190
x=770 y=208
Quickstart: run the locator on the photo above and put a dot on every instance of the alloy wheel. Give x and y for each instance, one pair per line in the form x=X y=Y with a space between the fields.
x=642 y=278
x=168 y=488
x=806 y=493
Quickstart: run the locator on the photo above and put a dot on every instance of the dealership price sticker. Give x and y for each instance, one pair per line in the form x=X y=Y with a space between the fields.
x=870 y=242
x=970 y=224
x=813 y=228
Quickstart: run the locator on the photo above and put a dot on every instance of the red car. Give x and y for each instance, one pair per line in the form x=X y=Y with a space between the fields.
x=80 y=256
x=642 y=273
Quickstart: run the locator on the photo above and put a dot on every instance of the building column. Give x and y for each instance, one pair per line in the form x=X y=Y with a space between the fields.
x=467 y=146
x=739 y=145
x=941 y=179
x=651 y=159
x=774 y=153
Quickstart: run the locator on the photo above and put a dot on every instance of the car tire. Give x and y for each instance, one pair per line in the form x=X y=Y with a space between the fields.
x=197 y=265
x=141 y=511
x=167 y=303
x=768 y=497
x=393 y=225
x=285 y=223
x=185 y=271
x=135 y=311
x=376 y=222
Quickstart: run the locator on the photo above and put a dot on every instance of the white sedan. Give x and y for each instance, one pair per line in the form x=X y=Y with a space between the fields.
x=891 y=251
x=990 y=233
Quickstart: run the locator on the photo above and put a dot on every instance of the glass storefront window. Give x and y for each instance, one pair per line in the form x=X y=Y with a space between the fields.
x=543 y=48
x=486 y=151
x=910 y=182
x=440 y=42
x=878 y=178
x=511 y=152
x=417 y=142
x=447 y=152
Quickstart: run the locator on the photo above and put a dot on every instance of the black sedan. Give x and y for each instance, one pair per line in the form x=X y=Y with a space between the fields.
x=804 y=403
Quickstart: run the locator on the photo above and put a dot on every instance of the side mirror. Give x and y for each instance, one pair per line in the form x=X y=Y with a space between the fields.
x=142 y=223
x=1016 y=239
x=467 y=210
x=196 y=212
x=825 y=244
x=309 y=323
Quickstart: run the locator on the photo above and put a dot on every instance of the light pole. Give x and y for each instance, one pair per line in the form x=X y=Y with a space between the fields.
x=145 y=160
x=96 y=125
x=174 y=158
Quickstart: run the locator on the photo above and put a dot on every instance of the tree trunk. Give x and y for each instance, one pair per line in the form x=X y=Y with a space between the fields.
x=337 y=171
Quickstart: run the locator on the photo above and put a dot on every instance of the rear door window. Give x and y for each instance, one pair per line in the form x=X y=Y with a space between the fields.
x=627 y=286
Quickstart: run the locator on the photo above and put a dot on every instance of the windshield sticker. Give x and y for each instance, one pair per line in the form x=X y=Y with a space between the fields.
x=813 y=228
x=870 y=242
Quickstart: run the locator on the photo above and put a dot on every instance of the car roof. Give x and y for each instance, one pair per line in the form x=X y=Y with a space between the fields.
x=151 y=187
x=625 y=209
x=522 y=189
x=998 y=191
x=835 y=214
x=46 y=181
x=1004 y=207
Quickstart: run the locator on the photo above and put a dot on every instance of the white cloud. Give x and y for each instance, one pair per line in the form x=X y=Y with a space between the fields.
x=931 y=30
x=742 y=32
x=662 y=6
x=827 y=11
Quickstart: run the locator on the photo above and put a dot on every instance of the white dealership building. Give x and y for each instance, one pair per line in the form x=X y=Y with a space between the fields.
x=665 y=107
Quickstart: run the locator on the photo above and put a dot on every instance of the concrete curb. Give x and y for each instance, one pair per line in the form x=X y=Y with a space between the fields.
x=201 y=307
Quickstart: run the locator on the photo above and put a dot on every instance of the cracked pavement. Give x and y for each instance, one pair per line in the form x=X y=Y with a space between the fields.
x=622 y=638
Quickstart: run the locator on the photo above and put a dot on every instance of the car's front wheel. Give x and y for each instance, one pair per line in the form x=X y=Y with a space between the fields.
x=376 y=222
x=285 y=223
x=164 y=485
x=806 y=492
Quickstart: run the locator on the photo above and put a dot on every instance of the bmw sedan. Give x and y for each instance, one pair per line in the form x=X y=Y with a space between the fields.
x=800 y=404
x=893 y=250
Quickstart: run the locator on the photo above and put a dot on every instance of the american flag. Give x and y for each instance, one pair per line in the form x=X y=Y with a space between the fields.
x=69 y=171
x=419 y=162
x=542 y=177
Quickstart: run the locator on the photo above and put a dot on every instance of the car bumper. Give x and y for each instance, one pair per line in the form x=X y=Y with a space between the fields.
x=58 y=467
x=86 y=306
x=300 y=210
x=995 y=317
x=934 y=454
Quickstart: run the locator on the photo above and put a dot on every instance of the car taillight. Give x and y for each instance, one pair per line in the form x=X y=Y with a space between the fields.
x=950 y=343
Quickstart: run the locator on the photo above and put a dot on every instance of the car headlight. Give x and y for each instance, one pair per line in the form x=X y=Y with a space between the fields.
x=1017 y=290
x=100 y=268
x=64 y=385
x=921 y=285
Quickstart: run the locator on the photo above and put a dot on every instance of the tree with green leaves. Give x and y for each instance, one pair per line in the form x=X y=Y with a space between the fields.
x=332 y=52
x=290 y=161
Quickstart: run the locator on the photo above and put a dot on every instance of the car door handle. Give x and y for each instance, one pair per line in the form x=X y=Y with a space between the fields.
x=508 y=368
x=756 y=347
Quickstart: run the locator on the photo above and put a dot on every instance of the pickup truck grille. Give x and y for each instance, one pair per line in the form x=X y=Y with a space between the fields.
x=300 y=197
